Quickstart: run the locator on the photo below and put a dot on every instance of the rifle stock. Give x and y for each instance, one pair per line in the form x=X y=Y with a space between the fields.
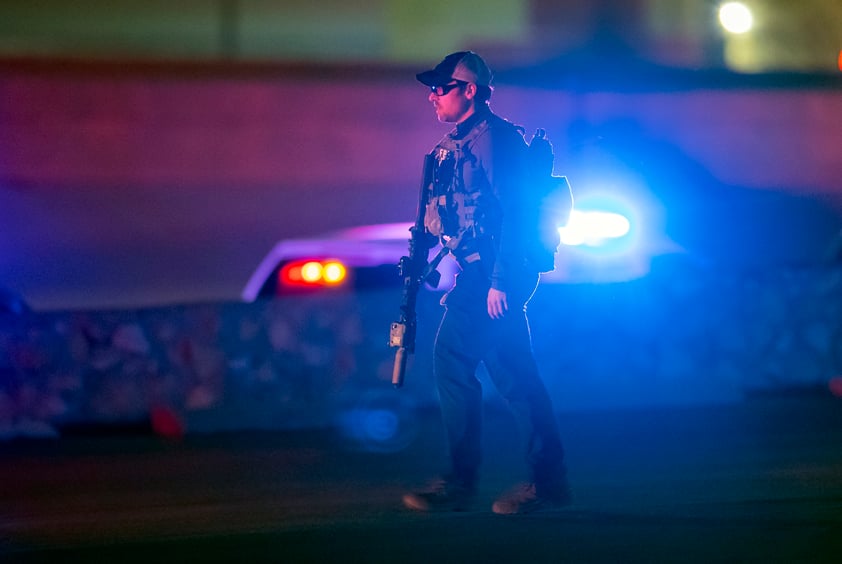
x=412 y=270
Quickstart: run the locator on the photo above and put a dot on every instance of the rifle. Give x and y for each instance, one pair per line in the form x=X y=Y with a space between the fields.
x=414 y=270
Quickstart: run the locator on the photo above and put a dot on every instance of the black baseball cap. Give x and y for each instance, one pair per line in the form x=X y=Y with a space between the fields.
x=465 y=66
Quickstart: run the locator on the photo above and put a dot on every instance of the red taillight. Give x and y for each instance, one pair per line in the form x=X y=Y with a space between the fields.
x=313 y=273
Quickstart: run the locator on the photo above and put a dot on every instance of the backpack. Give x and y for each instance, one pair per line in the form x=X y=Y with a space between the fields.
x=548 y=203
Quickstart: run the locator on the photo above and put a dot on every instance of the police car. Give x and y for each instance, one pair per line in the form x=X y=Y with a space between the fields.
x=601 y=242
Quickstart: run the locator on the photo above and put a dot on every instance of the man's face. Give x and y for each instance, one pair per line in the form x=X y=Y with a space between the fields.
x=453 y=102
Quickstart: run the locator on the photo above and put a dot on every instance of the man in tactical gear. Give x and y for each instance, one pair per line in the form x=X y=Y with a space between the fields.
x=477 y=209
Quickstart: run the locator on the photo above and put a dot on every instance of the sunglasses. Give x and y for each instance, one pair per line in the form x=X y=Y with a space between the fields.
x=443 y=90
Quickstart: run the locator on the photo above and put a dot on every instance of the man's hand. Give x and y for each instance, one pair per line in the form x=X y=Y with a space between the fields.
x=497 y=305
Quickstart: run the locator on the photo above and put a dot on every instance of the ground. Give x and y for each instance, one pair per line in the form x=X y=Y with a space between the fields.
x=756 y=481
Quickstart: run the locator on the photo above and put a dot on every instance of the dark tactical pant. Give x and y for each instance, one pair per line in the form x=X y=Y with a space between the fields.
x=468 y=336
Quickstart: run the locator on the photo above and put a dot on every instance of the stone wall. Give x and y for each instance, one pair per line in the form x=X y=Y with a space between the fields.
x=678 y=336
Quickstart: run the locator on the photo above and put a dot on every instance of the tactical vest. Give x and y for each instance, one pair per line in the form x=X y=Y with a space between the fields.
x=463 y=204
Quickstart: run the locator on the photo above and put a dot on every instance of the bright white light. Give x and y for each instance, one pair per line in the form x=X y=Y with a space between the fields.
x=334 y=272
x=311 y=271
x=735 y=17
x=593 y=228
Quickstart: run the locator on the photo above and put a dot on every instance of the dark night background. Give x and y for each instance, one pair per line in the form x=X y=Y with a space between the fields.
x=152 y=153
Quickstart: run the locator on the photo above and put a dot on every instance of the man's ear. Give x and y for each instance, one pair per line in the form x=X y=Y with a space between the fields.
x=470 y=90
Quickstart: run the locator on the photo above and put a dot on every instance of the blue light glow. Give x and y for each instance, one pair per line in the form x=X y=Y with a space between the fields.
x=379 y=421
x=611 y=236
x=593 y=228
